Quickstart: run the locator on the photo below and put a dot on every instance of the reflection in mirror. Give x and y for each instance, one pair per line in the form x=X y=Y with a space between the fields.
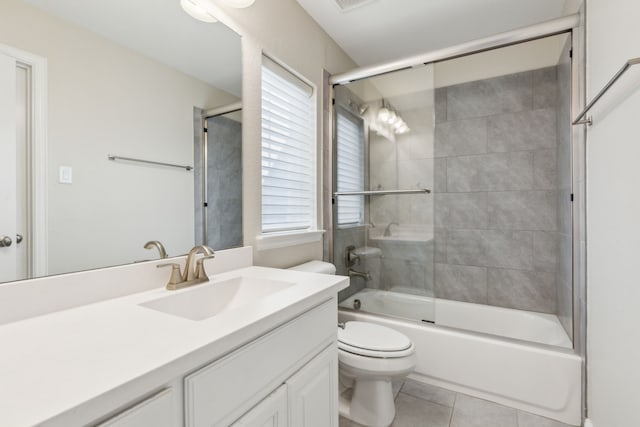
x=218 y=190
x=120 y=78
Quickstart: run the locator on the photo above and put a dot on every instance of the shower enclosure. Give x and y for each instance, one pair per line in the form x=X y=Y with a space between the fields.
x=453 y=192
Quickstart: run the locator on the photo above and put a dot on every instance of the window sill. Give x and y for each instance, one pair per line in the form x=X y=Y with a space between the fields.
x=283 y=240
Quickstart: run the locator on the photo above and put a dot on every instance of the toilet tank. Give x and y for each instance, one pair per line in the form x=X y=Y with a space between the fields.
x=316 y=267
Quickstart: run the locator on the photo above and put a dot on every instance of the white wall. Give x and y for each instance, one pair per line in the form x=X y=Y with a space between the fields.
x=282 y=29
x=105 y=99
x=613 y=217
x=508 y=60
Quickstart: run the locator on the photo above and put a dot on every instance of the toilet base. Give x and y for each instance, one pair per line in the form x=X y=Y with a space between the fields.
x=371 y=403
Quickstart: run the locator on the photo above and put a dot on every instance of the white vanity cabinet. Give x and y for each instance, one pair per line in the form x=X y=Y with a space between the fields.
x=263 y=356
x=299 y=357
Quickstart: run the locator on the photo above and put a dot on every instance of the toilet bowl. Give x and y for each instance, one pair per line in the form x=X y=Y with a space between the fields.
x=370 y=358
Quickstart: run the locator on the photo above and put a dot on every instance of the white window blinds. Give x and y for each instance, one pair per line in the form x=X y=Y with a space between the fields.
x=288 y=151
x=350 y=168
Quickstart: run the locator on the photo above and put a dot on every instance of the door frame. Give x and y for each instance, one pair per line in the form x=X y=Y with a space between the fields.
x=39 y=156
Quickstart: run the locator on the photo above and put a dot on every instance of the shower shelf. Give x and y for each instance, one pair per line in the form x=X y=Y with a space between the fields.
x=381 y=192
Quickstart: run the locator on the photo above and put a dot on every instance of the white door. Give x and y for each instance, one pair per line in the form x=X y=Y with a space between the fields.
x=8 y=153
x=15 y=172
x=270 y=412
x=313 y=392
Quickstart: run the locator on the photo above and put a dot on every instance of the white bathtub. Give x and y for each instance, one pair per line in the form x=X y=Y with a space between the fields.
x=533 y=377
x=506 y=322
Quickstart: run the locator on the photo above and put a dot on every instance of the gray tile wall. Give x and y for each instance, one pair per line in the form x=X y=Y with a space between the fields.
x=496 y=191
x=343 y=237
x=224 y=184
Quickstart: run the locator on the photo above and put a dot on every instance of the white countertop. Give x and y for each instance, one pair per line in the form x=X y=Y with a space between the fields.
x=52 y=364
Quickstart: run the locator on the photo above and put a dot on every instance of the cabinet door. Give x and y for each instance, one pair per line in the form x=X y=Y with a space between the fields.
x=270 y=412
x=313 y=392
x=157 y=411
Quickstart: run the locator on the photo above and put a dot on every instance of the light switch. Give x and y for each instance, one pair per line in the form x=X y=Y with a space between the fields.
x=65 y=175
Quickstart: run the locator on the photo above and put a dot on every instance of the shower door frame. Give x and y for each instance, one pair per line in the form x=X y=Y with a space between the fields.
x=572 y=25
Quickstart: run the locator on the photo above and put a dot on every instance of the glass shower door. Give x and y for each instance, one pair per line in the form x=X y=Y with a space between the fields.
x=383 y=178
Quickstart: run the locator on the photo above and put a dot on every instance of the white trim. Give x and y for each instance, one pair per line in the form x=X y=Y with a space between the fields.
x=283 y=240
x=588 y=423
x=39 y=154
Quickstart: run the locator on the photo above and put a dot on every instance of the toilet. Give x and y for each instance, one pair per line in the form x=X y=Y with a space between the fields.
x=370 y=358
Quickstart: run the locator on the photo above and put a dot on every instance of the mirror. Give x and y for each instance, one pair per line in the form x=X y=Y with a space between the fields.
x=122 y=79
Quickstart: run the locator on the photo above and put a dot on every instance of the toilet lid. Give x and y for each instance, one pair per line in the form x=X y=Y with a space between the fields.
x=368 y=336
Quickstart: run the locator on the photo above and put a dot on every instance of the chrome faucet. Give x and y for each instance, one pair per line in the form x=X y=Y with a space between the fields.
x=193 y=274
x=387 y=231
x=156 y=244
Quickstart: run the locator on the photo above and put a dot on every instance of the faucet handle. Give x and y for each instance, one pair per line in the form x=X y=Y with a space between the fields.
x=176 y=274
x=200 y=273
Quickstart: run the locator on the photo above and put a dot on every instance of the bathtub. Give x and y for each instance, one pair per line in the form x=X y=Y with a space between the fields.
x=516 y=358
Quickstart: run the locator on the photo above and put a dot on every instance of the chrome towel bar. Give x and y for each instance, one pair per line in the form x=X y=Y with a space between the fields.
x=381 y=192
x=581 y=119
x=151 y=162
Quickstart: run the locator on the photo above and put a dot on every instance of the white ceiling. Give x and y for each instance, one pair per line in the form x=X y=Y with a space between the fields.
x=160 y=29
x=385 y=30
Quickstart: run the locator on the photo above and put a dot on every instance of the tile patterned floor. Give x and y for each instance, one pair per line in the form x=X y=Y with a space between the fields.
x=423 y=405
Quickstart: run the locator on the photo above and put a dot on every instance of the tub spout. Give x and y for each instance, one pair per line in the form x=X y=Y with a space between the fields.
x=366 y=275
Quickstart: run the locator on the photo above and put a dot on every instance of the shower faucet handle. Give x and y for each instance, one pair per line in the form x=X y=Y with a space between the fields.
x=350 y=258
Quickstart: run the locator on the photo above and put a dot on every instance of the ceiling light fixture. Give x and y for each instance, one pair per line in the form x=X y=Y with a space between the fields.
x=383 y=114
x=195 y=9
x=387 y=116
x=393 y=118
x=239 y=4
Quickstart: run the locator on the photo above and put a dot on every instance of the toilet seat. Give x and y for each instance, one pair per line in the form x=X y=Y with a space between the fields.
x=370 y=340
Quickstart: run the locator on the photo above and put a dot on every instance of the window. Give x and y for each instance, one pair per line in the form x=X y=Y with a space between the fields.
x=288 y=151
x=350 y=167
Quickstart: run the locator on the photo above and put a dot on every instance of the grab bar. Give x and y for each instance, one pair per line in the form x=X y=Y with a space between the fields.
x=580 y=120
x=381 y=192
x=151 y=162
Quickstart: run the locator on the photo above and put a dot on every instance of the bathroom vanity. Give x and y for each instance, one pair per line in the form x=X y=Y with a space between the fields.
x=262 y=349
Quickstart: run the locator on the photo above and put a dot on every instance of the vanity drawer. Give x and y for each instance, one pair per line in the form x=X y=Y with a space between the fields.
x=157 y=411
x=219 y=393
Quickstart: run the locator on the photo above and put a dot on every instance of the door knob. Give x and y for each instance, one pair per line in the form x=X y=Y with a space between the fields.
x=5 y=242
x=18 y=238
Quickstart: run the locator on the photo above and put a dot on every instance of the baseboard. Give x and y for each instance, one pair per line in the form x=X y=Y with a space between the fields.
x=588 y=423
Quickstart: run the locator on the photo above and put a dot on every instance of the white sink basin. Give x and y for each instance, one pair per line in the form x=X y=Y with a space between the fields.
x=206 y=300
